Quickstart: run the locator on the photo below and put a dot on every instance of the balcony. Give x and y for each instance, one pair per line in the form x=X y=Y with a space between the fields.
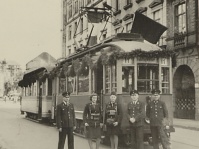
x=180 y=40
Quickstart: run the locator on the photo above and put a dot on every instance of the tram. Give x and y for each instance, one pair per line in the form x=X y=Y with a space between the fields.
x=121 y=63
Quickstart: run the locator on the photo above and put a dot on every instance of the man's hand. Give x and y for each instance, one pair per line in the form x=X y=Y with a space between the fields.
x=115 y=123
x=132 y=120
x=86 y=124
x=60 y=129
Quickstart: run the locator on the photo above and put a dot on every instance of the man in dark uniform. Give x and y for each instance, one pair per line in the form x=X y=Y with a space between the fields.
x=66 y=122
x=157 y=111
x=136 y=115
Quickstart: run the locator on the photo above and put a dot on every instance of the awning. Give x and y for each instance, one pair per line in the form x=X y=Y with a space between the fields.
x=31 y=75
x=148 y=28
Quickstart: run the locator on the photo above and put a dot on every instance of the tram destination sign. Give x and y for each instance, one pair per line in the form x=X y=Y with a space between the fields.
x=147 y=60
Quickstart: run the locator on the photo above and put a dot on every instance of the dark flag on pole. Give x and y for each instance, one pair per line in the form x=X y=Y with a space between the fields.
x=95 y=16
x=148 y=28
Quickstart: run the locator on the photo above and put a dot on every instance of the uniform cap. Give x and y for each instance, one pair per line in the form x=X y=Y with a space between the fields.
x=134 y=92
x=113 y=93
x=155 y=91
x=64 y=94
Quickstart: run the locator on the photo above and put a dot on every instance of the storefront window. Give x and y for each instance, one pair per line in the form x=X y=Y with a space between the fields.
x=165 y=80
x=147 y=77
x=71 y=84
x=83 y=84
x=127 y=78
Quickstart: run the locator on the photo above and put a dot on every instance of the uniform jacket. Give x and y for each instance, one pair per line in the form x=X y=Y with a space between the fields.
x=65 y=115
x=91 y=110
x=137 y=111
x=156 y=112
x=113 y=111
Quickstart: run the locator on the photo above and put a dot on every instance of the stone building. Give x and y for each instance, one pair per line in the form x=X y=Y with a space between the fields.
x=182 y=36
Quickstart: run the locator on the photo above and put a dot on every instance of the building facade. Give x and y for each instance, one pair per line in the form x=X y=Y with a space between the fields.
x=182 y=16
x=77 y=26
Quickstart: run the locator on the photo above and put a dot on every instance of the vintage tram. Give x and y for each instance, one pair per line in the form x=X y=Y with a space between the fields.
x=121 y=63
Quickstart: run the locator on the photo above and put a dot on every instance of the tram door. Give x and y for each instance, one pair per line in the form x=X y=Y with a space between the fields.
x=40 y=101
x=99 y=79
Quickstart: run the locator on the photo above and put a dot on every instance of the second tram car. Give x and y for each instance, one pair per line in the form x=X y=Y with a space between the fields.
x=119 y=64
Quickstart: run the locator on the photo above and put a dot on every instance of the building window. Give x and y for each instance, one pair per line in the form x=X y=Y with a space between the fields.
x=128 y=2
x=180 y=18
x=117 y=30
x=75 y=28
x=81 y=3
x=70 y=11
x=156 y=16
x=81 y=25
x=88 y=2
x=117 y=5
x=128 y=27
x=69 y=32
x=148 y=77
x=76 y=6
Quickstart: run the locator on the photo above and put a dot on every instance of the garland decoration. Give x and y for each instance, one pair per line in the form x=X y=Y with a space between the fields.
x=111 y=59
x=65 y=69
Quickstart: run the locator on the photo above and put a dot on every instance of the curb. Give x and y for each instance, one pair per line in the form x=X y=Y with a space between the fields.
x=187 y=127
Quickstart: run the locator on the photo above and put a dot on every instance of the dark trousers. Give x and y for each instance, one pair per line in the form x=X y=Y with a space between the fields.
x=137 y=137
x=62 y=137
x=158 y=133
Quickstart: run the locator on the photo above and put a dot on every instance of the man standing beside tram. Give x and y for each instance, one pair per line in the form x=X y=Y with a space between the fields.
x=92 y=118
x=136 y=113
x=157 y=111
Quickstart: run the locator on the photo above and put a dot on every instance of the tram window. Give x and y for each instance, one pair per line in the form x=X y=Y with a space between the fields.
x=83 y=84
x=62 y=85
x=148 y=75
x=71 y=84
x=127 y=78
x=49 y=87
x=110 y=79
x=165 y=80
x=44 y=88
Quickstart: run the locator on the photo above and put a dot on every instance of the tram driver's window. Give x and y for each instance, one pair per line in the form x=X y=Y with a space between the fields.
x=148 y=77
x=127 y=78
x=71 y=84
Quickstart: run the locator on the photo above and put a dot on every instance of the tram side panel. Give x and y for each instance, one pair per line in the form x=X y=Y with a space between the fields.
x=29 y=104
x=46 y=106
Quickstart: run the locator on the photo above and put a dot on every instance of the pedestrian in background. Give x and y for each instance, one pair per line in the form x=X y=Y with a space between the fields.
x=92 y=118
x=66 y=122
x=157 y=111
x=113 y=120
x=136 y=114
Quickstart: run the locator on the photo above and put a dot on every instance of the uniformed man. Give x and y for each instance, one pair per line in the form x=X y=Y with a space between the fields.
x=157 y=111
x=136 y=113
x=66 y=122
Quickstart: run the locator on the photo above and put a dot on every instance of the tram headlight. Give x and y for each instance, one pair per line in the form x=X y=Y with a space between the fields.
x=147 y=120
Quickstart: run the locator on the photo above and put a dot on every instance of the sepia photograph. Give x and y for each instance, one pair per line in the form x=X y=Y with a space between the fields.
x=99 y=74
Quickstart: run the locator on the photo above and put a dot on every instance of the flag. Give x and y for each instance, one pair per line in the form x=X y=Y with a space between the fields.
x=148 y=28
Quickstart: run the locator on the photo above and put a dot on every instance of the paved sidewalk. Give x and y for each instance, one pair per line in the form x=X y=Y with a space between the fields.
x=187 y=124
